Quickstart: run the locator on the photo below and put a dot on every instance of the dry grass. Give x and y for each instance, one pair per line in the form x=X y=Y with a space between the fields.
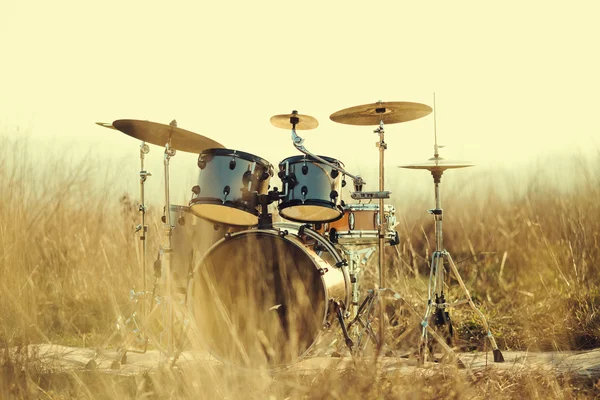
x=69 y=256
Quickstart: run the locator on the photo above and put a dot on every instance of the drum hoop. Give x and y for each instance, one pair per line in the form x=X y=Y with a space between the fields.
x=239 y=154
x=322 y=203
x=228 y=203
x=301 y=158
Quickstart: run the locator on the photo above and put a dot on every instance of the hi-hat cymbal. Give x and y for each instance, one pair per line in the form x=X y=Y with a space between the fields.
x=305 y=122
x=388 y=112
x=160 y=134
x=438 y=164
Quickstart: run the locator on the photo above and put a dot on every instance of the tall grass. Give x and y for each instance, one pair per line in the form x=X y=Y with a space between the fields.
x=69 y=256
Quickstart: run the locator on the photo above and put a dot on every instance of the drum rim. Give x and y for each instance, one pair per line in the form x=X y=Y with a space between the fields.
x=237 y=153
x=228 y=203
x=302 y=157
x=367 y=206
x=293 y=203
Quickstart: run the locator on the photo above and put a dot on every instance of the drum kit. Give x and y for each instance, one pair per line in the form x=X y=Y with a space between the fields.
x=263 y=292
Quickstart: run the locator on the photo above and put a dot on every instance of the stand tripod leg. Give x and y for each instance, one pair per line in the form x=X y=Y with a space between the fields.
x=340 y=317
x=431 y=287
x=498 y=357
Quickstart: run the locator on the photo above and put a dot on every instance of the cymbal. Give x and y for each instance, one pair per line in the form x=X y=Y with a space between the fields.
x=438 y=164
x=388 y=112
x=106 y=125
x=159 y=134
x=305 y=122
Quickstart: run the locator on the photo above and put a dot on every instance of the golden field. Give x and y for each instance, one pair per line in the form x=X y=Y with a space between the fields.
x=69 y=257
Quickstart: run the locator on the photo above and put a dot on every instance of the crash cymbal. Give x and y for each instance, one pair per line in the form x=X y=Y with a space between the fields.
x=305 y=122
x=159 y=134
x=388 y=112
x=106 y=125
x=438 y=164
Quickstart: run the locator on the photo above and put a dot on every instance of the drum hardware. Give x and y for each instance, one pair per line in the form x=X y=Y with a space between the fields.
x=379 y=114
x=172 y=138
x=370 y=195
x=438 y=306
x=356 y=258
x=305 y=122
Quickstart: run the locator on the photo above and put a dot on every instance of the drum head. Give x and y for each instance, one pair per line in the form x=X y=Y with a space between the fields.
x=224 y=214
x=259 y=299
x=310 y=213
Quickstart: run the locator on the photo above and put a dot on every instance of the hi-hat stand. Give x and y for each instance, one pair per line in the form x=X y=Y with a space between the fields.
x=437 y=309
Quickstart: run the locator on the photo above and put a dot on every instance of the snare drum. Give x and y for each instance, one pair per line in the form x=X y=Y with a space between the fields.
x=312 y=190
x=226 y=176
x=359 y=224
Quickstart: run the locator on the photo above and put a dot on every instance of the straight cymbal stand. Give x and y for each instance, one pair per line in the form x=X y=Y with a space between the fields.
x=162 y=292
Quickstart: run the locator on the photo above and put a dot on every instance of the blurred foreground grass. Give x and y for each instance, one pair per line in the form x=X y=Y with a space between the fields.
x=69 y=256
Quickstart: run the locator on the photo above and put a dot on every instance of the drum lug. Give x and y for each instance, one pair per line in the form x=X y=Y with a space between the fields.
x=283 y=233
x=335 y=173
x=333 y=235
x=333 y=195
x=323 y=271
x=304 y=169
x=201 y=163
x=226 y=191
x=304 y=192
x=227 y=236
x=351 y=221
x=196 y=190
x=232 y=164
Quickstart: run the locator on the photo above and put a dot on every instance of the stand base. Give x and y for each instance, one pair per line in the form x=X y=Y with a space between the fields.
x=440 y=305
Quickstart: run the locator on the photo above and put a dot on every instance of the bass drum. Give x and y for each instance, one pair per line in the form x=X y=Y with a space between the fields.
x=262 y=297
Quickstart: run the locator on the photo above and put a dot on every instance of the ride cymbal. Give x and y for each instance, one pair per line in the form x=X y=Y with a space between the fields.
x=388 y=112
x=438 y=164
x=160 y=134
x=304 y=122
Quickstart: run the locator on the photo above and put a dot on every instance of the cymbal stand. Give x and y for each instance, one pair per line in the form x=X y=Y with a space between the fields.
x=436 y=280
x=162 y=292
x=143 y=228
x=381 y=228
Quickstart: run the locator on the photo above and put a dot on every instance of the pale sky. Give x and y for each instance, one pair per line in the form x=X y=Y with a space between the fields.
x=514 y=80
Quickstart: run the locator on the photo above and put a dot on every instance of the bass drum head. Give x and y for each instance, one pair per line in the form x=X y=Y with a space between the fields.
x=258 y=298
x=310 y=213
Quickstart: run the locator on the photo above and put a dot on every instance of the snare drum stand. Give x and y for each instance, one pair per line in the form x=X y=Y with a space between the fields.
x=436 y=281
